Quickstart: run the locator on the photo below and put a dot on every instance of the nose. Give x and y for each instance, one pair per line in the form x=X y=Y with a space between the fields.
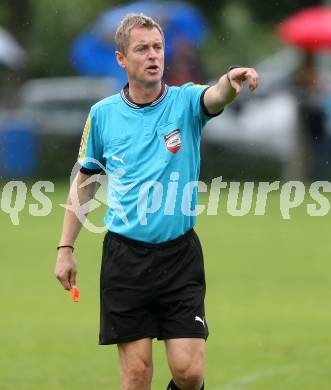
x=152 y=53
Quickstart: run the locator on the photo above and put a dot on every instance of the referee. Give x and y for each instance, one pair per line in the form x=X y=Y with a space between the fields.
x=152 y=282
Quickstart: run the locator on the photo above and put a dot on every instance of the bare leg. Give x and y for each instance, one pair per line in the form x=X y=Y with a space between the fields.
x=136 y=366
x=186 y=362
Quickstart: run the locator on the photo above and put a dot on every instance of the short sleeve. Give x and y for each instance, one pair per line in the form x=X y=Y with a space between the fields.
x=195 y=94
x=90 y=150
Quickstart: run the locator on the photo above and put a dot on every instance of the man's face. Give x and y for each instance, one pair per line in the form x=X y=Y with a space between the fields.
x=144 y=60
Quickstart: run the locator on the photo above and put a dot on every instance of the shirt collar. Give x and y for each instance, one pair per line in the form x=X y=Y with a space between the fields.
x=127 y=99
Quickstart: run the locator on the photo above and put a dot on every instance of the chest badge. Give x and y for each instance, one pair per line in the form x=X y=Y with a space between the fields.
x=173 y=141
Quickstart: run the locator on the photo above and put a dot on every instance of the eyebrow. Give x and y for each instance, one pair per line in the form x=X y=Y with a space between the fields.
x=146 y=43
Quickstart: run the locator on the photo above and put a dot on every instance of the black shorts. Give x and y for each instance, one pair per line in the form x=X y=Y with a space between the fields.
x=152 y=290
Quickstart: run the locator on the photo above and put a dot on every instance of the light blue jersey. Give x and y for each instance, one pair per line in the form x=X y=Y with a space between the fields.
x=152 y=157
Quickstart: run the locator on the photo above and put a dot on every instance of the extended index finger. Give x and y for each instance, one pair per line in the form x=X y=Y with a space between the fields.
x=252 y=78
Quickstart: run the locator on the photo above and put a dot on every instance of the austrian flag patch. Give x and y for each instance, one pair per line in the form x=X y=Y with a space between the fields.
x=173 y=141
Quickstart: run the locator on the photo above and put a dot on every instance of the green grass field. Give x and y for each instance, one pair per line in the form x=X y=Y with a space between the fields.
x=268 y=305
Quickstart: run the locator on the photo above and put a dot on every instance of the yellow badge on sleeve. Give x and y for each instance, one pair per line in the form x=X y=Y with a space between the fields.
x=201 y=85
x=83 y=142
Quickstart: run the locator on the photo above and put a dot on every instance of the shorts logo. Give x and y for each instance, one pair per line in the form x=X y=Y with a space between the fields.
x=173 y=141
x=200 y=320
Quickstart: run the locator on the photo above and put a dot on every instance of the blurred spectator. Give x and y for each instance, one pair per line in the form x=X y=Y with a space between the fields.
x=312 y=118
x=185 y=65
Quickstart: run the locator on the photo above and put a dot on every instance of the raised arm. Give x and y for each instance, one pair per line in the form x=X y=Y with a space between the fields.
x=66 y=266
x=228 y=87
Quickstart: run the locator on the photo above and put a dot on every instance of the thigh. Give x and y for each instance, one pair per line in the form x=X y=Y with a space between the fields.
x=135 y=353
x=184 y=353
x=136 y=365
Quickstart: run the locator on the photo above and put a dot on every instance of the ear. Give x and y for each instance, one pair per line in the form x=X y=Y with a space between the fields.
x=120 y=59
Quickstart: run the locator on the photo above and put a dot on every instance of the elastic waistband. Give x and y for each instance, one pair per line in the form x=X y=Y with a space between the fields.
x=131 y=241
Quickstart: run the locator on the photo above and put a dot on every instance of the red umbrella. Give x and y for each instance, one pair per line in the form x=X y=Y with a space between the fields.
x=309 y=29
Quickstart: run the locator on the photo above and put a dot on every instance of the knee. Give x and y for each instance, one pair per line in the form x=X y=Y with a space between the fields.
x=137 y=375
x=189 y=376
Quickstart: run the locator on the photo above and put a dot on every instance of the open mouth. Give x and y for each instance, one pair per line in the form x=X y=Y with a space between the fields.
x=152 y=67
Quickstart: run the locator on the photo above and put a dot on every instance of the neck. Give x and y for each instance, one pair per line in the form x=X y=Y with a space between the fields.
x=142 y=94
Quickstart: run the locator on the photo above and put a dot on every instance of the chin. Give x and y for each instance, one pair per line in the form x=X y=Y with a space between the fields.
x=153 y=79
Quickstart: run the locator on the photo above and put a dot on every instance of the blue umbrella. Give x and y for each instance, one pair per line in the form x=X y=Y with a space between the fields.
x=92 y=55
x=93 y=52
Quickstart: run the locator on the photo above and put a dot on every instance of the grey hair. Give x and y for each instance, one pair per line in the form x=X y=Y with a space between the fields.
x=130 y=21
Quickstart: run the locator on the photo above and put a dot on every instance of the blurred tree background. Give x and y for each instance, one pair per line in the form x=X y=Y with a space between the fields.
x=241 y=31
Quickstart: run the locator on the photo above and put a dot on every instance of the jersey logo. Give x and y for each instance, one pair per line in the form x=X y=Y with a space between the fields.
x=173 y=141
x=120 y=159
